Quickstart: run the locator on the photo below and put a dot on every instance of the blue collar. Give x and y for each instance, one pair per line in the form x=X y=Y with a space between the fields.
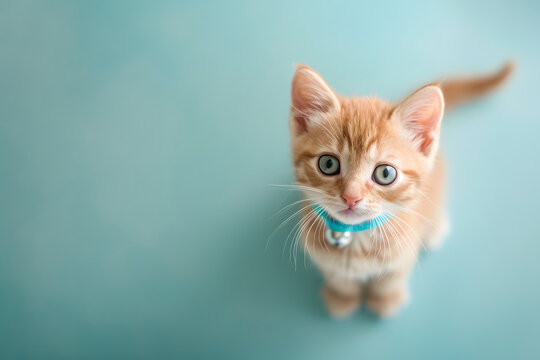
x=338 y=226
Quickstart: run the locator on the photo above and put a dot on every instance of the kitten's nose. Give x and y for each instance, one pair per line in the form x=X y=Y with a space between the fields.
x=350 y=200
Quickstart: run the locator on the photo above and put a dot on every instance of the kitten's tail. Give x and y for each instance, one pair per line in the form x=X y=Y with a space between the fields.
x=460 y=90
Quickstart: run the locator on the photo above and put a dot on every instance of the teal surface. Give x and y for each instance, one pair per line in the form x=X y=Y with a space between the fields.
x=137 y=142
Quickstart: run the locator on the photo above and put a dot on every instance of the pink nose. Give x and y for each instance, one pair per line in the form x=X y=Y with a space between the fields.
x=350 y=200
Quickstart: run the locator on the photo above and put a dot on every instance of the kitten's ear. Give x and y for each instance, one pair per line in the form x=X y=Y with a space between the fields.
x=421 y=115
x=311 y=99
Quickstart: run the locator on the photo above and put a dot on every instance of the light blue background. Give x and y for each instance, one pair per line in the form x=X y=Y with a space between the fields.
x=137 y=142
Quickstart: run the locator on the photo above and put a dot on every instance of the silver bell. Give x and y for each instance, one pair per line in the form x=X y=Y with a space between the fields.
x=339 y=239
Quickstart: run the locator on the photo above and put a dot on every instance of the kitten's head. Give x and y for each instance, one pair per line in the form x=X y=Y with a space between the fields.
x=360 y=157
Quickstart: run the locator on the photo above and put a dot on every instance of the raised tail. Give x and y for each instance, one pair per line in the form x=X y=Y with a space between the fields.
x=460 y=90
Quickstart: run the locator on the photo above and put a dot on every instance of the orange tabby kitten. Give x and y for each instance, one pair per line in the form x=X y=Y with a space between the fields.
x=373 y=177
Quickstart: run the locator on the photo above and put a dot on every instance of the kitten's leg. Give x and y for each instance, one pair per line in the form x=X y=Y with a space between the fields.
x=434 y=237
x=432 y=208
x=388 y=293
x=342 y=297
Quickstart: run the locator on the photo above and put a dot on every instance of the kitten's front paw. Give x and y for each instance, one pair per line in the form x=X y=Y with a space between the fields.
x=388 y=304
x=339 y=306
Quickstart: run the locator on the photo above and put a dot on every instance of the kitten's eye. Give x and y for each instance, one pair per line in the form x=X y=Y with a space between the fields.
x=329 y=165
x=384 y=174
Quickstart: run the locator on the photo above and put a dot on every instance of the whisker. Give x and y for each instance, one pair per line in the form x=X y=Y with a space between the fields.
x=294 y=229
x=294 y=203
x=306 y=246
x=298 y=234
x=285 y=222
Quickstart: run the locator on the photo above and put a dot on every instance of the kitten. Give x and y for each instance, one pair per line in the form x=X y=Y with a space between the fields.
x=365 y=162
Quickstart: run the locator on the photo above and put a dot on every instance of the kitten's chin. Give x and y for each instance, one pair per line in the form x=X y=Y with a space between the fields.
x=352 y=217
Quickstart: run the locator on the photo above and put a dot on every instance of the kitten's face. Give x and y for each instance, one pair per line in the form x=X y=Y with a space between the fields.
x=361 y=157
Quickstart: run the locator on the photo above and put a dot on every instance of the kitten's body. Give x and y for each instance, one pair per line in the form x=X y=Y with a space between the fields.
x=362 y=133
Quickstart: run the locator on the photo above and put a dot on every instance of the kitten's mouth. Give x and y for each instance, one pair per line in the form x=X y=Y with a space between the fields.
x=354 y=212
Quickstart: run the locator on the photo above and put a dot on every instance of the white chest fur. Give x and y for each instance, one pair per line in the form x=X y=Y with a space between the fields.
x=350 y=260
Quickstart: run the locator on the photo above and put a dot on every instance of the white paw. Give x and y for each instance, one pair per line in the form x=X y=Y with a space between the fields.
x=434 y=240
